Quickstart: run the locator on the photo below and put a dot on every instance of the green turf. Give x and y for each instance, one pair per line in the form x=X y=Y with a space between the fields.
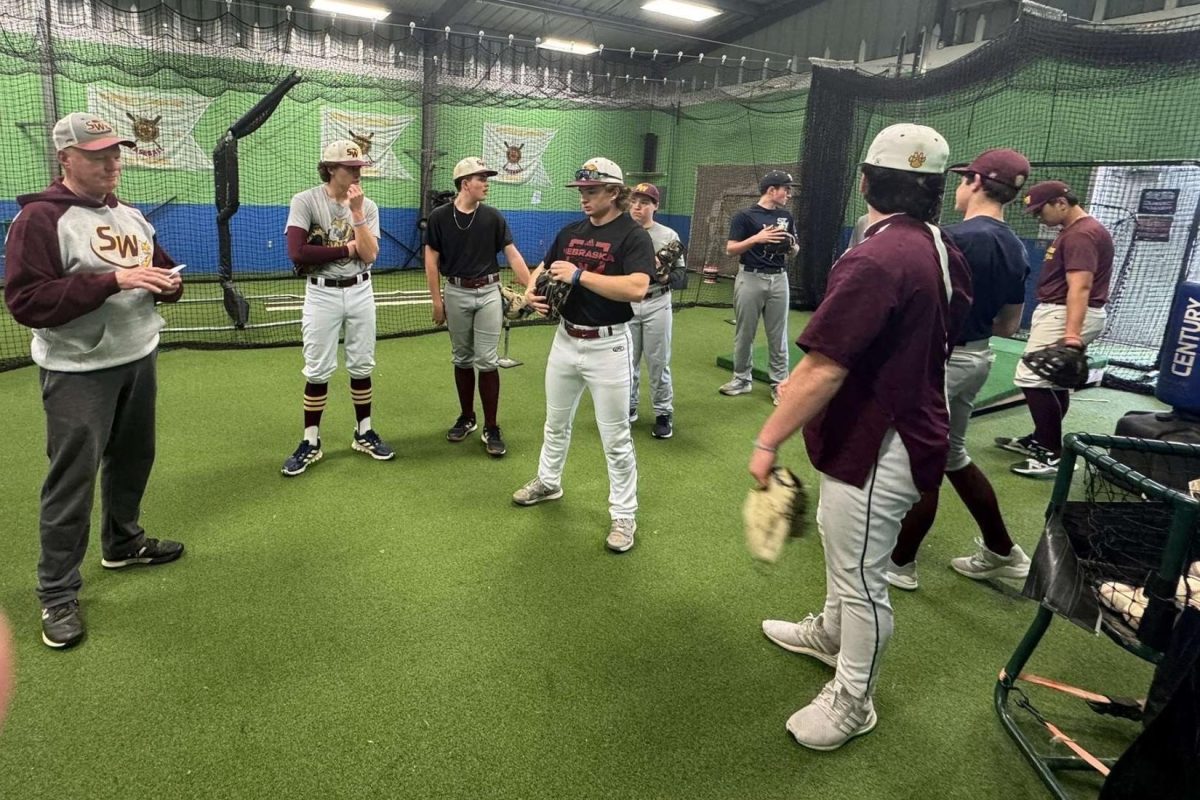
x=386 y=630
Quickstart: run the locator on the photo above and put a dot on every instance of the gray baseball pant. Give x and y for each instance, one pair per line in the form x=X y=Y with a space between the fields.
x=761 y=294
x=650 y=330
x=475 y=318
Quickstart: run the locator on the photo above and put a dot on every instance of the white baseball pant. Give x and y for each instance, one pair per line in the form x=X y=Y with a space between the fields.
x=326 y=310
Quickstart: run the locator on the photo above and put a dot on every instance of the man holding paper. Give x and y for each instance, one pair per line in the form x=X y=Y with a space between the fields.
x=85 y=272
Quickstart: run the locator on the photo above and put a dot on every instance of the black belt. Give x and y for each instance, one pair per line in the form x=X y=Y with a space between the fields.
x=657 y=291
x=764 y=270
x=340 y=283
x=474 y=283
x=587 y=333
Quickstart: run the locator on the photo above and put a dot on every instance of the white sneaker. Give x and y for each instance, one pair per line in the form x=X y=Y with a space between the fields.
x=806 y=637
x=775 y=393
x=535 y=492
x=984 y=564
x=735 y=387
x=620 y=535
x=904 y=577
x=833 y=718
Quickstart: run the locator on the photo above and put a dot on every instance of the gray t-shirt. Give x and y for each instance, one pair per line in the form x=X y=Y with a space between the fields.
x=660 y=237
x=329 y=224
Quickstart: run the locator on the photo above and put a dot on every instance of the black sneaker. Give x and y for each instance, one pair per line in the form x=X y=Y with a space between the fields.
x=1025 y=446
x=61 y=625
x=307 y=453
x=494 y=442
x=463 y=427
x=662 y=427
x=154 y=551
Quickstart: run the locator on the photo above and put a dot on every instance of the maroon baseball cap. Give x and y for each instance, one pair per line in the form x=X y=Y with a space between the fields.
x=1001 y=164
x=648 y=190
x=1041 y=193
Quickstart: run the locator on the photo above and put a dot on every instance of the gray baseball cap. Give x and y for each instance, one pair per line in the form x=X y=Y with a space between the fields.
x=87 y=132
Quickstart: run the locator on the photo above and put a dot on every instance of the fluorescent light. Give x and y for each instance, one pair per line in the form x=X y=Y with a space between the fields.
x=374 y=13
x=563 y=46
x=678 y=8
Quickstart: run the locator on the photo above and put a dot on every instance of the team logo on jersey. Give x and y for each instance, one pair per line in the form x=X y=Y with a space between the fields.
x=123 y=250
x=1049 y=253
x=916 y=160
x=589 y=254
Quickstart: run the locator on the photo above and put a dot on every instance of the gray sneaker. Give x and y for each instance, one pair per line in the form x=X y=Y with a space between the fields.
x=984 y=564
x=806 y=637
x=833 y=718
x=620 y=535
x=902 y=577
x=535 y=492
x=735 y=387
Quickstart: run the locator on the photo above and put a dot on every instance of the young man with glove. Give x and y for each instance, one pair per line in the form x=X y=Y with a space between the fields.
x=869 y=395
x=1072 y=292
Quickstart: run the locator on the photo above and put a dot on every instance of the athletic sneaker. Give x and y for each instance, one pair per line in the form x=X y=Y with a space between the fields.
x=152 y=551
x=833 y=718
x=663 y=427
x=904 y=577
x=984 y=564
x=806 y=637
x=372 y=445
x=463 y=427
x=1042 y=466
x=1024 y=446
x=494 y=442
x=775 y=393
x=620 y=535
x=300 y=460
x=632 y=415
x=62 y=626
x=735 y=387
x=535 y=492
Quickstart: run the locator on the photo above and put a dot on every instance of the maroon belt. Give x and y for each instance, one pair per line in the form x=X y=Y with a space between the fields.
x=587 y=333
x=474 y=283
x=340 y=283
x=656 y=291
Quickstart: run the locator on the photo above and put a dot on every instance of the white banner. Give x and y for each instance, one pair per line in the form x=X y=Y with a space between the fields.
x=517 y=152
x=374 y=133
x=162 y=124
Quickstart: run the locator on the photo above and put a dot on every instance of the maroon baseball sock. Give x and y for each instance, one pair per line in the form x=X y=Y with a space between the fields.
x=1064 y=400
x=464 y=379
x=980 y=499
x=360 y=394
x=489 y=393
x=917 y=523
x=1047 y=418
x=314 y=403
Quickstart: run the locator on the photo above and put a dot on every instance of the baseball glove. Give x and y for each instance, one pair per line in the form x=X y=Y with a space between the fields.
x=514 y=304
x=774 y=513
x=555 y=292
x=665 y=260
x=1061 y=364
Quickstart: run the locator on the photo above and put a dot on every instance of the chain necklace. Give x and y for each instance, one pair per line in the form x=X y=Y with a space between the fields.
x=454 y=211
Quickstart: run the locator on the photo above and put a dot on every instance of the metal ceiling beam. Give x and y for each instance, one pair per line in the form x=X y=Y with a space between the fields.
x=764 y=19
x=624 y=23
x=445 y=12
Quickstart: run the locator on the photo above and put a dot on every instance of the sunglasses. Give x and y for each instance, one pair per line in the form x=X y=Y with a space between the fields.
x=593 y=175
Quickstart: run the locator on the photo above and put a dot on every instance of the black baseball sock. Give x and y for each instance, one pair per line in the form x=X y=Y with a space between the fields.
x=464 y=380
x=980 y=499
x=489 y=393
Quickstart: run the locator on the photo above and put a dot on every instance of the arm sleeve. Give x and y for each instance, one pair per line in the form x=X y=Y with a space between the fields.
x=36 y=291
x=300 y=252
x=841 y=328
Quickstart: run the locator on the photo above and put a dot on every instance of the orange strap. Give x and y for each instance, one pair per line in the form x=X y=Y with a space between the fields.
x=1090 y=759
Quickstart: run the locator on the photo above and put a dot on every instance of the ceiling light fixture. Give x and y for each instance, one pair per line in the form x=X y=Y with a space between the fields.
x=360 y=10
x=563 y=46
x=678 y=8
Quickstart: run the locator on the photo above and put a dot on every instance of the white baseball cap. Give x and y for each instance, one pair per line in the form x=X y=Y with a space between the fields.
x=598 y=172
x=472 y=165
x=909 y=148
x=87 y=132
x=344 y=152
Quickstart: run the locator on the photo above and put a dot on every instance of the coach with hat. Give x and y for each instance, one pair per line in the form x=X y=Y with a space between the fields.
x=763 y=237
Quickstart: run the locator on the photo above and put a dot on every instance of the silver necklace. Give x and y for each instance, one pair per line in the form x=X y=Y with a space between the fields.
x=454 y=211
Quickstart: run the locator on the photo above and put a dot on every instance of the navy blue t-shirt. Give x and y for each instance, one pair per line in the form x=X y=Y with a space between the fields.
x=999 y=266
x=750 y=221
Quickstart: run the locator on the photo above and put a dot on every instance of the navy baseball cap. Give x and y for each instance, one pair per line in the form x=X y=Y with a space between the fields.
x=776 y=177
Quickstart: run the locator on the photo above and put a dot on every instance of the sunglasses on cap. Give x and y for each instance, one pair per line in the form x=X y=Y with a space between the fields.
x=593 y=175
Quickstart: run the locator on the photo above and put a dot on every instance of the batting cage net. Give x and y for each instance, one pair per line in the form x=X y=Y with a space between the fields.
x=1107 y=108
x=416 y=100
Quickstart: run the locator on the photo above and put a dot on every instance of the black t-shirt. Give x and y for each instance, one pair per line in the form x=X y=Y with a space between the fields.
x=620 y=247
x=750 y=221
x=467 y=253
x=999 y=266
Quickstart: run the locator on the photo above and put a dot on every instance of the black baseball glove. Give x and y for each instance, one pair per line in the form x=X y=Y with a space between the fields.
x=555 y=292
x=774 y=513
x=665 y=260
x=1062 y=364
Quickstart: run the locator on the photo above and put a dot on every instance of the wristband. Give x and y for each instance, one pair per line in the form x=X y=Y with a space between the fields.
x=760 y=446
x=360 y=222
x=575 y=277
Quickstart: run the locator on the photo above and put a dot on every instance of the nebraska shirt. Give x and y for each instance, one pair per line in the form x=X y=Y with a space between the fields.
x=885 y=318
x=620 y=247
